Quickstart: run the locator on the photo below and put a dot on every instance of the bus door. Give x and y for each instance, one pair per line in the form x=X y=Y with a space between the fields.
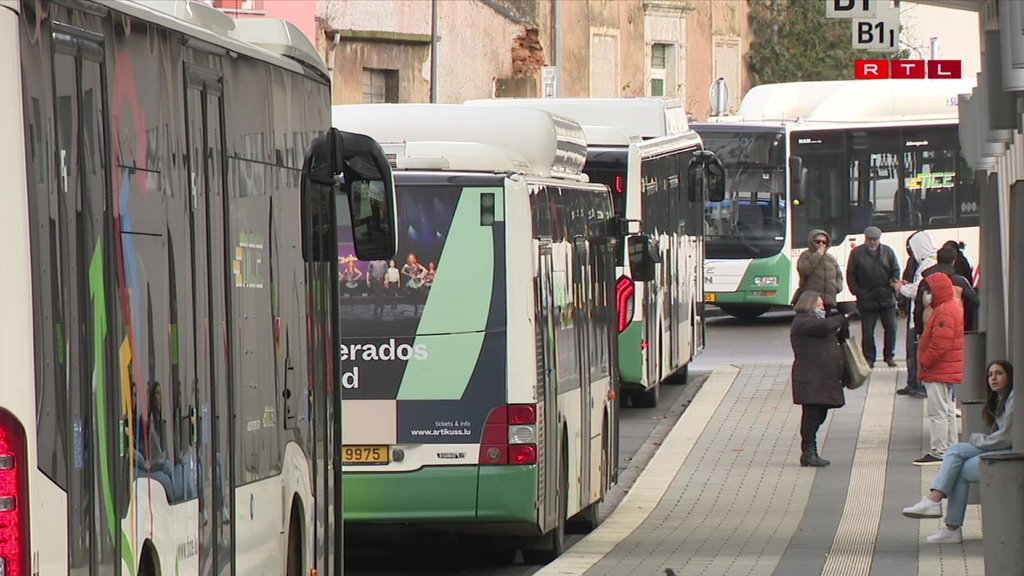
x=203 y=106
x=583 y=304
x=547 y=393
x=86 y=372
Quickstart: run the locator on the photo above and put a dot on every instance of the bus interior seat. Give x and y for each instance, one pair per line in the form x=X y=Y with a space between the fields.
x=860 y=216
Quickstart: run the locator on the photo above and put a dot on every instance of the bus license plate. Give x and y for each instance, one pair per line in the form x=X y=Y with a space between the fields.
x=364 y=455
x=710 y=297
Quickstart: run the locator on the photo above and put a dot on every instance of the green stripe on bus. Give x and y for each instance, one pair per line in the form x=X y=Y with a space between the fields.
x=97 y=290
x=431 y=493
x=779 y=266
x=631 y=359
x=507 y=494
x=462 y=289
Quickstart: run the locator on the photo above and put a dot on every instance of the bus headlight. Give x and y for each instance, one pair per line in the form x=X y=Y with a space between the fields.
x=766 y=281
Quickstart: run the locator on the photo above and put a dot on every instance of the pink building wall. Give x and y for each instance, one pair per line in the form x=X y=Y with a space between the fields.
x=301 y=13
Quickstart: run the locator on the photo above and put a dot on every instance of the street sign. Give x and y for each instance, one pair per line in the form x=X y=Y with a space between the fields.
x=718 y=94
x=878 y=34
x=850 y=8
x=549 y=81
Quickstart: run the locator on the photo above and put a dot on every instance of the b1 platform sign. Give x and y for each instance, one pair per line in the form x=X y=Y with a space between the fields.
x=875 y=24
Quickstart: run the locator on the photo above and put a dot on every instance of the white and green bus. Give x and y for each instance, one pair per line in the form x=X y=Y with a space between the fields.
x=170 y=326
x=478 y=366
x=838 y=156
x=660 y=176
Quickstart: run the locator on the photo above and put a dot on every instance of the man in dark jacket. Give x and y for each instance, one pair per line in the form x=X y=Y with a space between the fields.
x=870 y=274
x=946 y=258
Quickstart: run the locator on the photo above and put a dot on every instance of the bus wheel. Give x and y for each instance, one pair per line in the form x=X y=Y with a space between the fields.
x=294 y=560
x=647 y=398
x=743 y=311
x=553 y=544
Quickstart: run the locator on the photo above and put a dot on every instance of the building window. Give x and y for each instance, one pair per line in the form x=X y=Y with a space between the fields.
x=380 y=85
x=661 y=58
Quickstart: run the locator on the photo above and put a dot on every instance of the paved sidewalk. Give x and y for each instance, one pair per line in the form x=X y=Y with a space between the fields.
x=725 y=494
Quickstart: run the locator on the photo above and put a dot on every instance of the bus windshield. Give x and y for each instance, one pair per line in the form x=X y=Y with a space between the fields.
x=751 y=221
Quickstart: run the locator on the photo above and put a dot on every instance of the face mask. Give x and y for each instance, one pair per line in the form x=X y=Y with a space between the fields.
x=818 y=312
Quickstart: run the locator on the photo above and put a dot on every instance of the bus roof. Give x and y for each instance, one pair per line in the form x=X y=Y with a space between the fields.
x=853 y=101
x=470 y=138
x=610 y=121
x=276 y=41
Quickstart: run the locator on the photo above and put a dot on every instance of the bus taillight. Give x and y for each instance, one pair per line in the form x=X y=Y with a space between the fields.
x=510 y=435
x=624 y=291
x=13 y=498
x=620 y=186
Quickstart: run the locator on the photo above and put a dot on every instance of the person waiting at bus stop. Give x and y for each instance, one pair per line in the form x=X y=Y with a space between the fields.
x=940 y=363
x=960 y=464
x=817 y=369
x=922 y=256
x=870 y=274
x=819 y=270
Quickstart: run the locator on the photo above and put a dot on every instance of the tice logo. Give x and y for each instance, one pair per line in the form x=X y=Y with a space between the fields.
x=920 y=69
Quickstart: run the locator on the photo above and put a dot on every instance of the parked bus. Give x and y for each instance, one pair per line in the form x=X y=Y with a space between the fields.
x=170 y=326
x=479 y=364
x=660 y=177
x=837 y=156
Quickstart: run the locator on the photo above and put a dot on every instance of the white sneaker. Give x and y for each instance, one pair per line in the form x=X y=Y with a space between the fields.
x=924 y=509
x=946 y=536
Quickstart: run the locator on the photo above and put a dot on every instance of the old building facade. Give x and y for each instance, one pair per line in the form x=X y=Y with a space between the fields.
x=380 y=50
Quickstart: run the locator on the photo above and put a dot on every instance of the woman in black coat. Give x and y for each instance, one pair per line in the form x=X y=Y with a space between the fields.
x=817 y=369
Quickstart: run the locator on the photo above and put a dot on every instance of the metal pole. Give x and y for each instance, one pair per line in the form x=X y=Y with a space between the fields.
x=556 y=23
x=992 y=277
x=433 y=51
x=1016 y=353
x=935 y=48
x=975 y=384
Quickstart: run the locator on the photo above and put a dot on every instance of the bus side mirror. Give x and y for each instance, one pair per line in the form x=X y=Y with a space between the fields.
x=353 y=166
x=706 y=173
x=797 y=178
x=716 y=180
x=641 y=258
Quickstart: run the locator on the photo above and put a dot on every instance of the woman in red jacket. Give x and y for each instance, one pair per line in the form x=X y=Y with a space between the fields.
x=940 y=364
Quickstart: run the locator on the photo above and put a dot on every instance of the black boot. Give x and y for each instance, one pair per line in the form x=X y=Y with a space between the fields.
x=810 y=457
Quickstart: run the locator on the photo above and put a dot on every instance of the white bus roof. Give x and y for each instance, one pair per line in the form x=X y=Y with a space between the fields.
x=853 y=101
x=470 y=138
x=610 y=121
x=270 y=39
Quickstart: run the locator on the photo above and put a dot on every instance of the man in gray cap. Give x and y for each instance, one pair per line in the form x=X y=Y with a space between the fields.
x=870 y=273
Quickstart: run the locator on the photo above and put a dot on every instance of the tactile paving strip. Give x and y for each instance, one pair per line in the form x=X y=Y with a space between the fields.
x=854 y=542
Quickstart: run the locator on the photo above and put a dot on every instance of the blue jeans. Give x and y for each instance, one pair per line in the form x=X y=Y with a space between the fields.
x=959 y=469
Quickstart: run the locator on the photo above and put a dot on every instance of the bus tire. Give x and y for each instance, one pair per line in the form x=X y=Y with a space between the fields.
x=744 y=311
x=553 y=543
x=293 y=562
x=147 y=560
x=647 y=398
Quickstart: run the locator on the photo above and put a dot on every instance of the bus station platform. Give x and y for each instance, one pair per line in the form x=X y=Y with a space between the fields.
x=725 y=494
